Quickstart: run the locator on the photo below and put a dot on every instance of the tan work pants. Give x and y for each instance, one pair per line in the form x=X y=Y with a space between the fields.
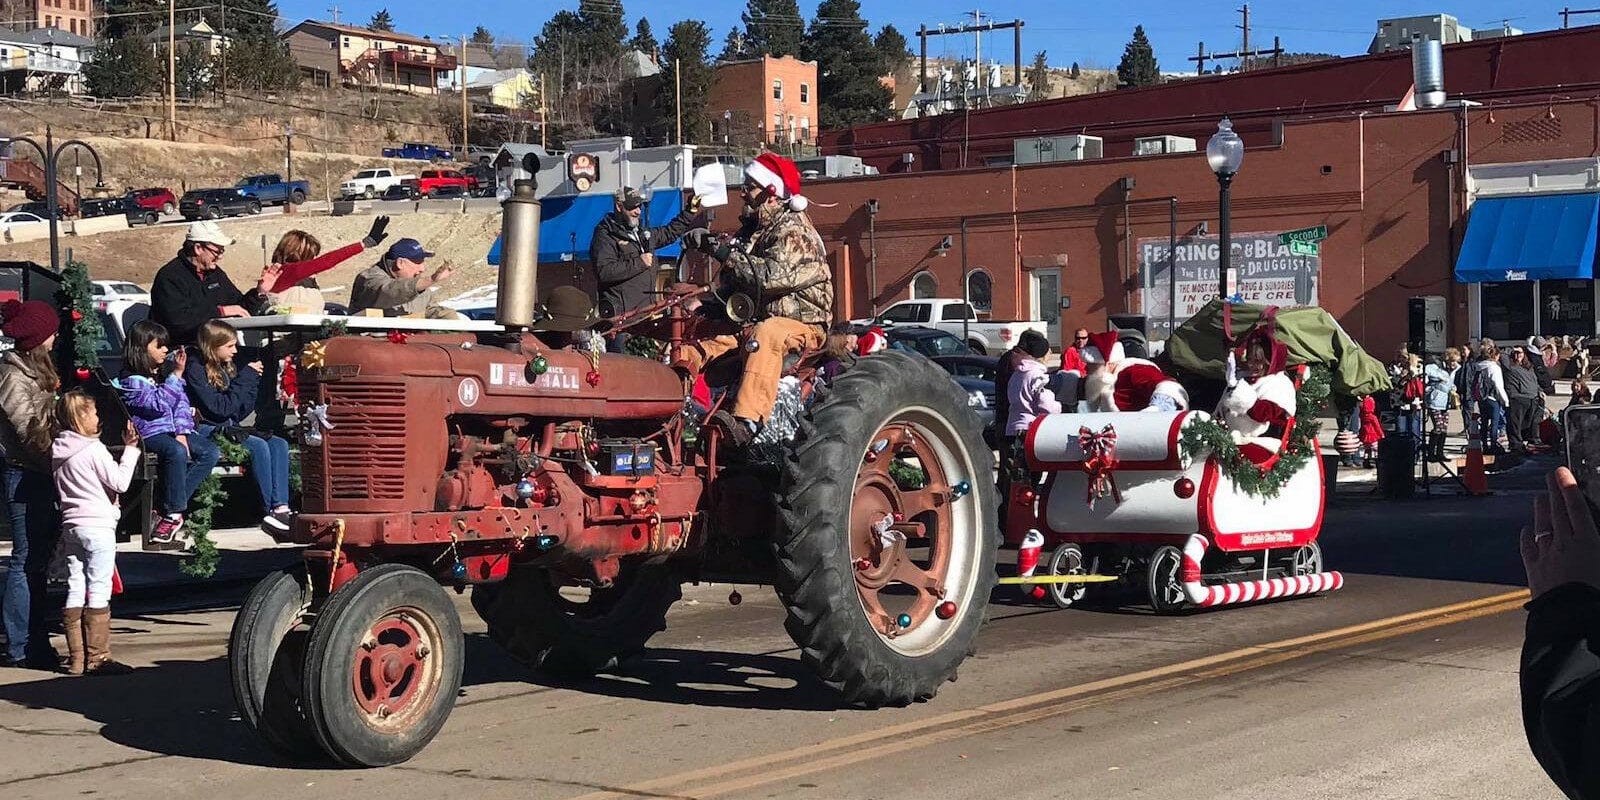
x=774 y=337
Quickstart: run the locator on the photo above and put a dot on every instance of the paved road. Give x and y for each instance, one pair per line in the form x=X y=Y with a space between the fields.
x=1403 y=685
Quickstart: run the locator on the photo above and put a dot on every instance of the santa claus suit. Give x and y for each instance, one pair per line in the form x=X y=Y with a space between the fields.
x=1116 y=383
x=1258 y=415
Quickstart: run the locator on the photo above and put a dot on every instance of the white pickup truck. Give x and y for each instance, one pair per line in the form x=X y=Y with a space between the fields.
x=370 y=183
x=957 y=318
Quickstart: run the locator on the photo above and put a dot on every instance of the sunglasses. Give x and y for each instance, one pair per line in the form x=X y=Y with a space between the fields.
x=1079 y=338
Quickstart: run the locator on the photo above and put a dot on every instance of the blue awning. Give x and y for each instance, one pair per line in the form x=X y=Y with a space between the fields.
x=1530 y=238
x=567 y=224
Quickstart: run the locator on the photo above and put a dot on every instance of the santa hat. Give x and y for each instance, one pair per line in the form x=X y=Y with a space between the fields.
x=873 y=340
x=1103 y=348
x=780 y=176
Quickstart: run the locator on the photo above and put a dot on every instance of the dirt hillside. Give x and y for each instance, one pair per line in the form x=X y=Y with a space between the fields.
x=136 y=254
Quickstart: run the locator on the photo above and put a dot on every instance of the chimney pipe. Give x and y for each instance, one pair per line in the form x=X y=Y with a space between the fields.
x=1427 y=72
x=518 y=288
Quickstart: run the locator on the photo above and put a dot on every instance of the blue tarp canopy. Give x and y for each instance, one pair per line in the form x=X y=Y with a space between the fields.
x=1546 y=237
x=567 y=224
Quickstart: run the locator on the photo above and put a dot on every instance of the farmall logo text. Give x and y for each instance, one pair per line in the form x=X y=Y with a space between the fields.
x=560 y=379
x=1276 y=537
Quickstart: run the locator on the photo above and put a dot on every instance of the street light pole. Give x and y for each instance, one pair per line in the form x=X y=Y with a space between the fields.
x=1224 y=152
x=50 y=155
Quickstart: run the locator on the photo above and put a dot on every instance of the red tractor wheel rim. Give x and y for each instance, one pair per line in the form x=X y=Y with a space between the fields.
x=921 y=521
x=395 y=669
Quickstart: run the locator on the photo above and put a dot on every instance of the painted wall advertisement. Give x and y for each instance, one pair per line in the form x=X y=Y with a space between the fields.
x=1263 y=272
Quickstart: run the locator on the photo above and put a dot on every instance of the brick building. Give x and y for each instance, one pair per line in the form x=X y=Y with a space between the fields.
x=330 y=54
x=764 y=100
x=1396 y=190
x=73 y=16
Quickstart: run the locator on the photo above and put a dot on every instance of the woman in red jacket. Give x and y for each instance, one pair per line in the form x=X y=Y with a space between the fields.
x=297 y=260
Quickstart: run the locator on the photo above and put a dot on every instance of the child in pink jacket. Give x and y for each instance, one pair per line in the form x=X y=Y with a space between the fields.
x=90 y=482
x=1029 y=390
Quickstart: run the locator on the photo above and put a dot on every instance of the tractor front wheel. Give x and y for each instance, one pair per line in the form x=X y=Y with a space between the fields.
x=265 y=651
x=383 y=667
x=886 y=547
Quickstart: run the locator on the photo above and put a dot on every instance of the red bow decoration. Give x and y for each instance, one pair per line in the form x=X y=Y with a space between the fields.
x=1100 y=461
x=398 y=337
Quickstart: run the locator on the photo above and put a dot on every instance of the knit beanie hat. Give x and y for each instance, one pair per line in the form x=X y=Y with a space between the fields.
x=28 y=324
x=1034 y=344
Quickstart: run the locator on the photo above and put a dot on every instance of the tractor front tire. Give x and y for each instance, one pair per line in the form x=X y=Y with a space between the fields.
x=529 y=616
x=887 y=625
x=266 y=649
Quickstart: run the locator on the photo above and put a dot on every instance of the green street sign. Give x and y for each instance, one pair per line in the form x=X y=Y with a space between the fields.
x=1315 y=234
x=1299 y=248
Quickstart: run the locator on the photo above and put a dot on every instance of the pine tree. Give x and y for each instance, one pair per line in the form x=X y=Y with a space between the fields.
x=123 y=68
x=1076 y=73
x=773 y=27
x=1039 y=77
x=605 y=27
x=261 y=63
x=131 y=18
x=689 y=44
x=195 y=70
x=381 y=21
x=734 y=46
x=849 y=91
x=1138 y=67
x=481 y=35
x=892 y=48
x=245 y=18
x=644 y=40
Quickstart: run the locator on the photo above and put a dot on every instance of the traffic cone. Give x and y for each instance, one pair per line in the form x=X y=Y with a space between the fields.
x=1028 y=560
x=1472 y=475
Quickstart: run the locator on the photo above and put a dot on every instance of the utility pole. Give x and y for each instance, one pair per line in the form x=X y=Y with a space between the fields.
x=224 y=92
x=465 y=113
x=1568 y=13
x=334 y=10
x=172 y=70
x=543 y=116
x=677 y=95
x=1246 y=26
x=288 y=166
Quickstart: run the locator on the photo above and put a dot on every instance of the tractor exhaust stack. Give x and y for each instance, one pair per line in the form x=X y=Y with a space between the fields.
x=517 y=292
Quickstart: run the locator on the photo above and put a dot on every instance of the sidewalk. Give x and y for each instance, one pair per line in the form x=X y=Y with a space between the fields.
x=246 y=555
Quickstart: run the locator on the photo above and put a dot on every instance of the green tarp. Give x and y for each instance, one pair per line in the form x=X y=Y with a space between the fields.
x=1313 y=337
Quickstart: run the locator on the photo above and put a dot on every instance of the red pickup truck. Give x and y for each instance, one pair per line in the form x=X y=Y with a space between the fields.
x=155 y=199
x=434 y=182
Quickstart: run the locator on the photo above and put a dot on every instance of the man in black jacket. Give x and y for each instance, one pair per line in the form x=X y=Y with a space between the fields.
x=623 y=253
x=1560 y=668
x=192 y=289
x=1522 y=388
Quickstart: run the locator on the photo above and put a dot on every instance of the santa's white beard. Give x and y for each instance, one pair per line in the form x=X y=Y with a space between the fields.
x=1100 y=390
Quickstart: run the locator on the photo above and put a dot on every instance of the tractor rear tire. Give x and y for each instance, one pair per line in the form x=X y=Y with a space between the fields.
x=383 y=667
x=528 y=616
x=836 y=603
x=266 y=649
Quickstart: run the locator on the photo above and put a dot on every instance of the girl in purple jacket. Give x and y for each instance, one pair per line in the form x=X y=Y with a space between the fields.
x=154 y=393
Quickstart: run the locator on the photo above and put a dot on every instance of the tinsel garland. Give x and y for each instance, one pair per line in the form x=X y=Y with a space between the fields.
x=202 y=563
x=1201 y=437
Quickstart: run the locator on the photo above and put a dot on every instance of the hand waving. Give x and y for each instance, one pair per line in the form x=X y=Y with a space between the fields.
x=269 y=277
x=378 y=233
x=1562 y=546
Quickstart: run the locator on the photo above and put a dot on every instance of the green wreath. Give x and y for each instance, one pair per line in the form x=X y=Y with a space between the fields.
x=1210 y=436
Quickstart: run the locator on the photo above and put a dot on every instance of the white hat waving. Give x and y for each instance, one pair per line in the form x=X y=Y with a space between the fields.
x=780 y=176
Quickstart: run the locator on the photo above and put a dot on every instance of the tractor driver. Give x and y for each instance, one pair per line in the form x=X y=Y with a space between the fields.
x=777 y=258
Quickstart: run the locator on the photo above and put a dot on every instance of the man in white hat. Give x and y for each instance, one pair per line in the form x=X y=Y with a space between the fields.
x=779 y=261
x=192 y=289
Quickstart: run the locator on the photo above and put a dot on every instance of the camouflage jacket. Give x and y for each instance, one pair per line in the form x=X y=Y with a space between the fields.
x=783 y=266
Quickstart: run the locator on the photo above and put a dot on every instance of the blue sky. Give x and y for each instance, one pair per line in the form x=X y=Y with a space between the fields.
x=1090 y=33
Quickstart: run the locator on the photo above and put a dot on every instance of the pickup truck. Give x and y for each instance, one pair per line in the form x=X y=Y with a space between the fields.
x=418 y=151
x=957 y=318
x=433 y=180
x=370 y=183
x=273 y=190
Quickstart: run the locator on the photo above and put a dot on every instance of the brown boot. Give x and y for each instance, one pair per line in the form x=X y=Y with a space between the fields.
x=72 y=621
x=97 y=638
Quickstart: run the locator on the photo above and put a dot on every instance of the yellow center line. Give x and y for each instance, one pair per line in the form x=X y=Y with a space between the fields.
x=758 y=770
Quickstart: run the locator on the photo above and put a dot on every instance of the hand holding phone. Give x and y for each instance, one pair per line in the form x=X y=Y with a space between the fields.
x=1563 y=545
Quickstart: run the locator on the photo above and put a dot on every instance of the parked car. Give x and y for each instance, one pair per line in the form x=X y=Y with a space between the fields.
x=404 y=190
x=157 y=199
x=272 y=189
x=418 y=151
x=958 y=318
x=107 y=206
x=104 y=293
x=434 y=180
x=12 y=220
x=447 y=191
x=40 y=209
x=485 y=180
x=215 y=203
x=976 y=374
x=370 y=183
x=930 y=342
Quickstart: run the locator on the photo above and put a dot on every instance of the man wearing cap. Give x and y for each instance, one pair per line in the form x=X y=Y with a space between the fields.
x=396 y=284
x=778 y=259
x=192 y=289
x=623 y=252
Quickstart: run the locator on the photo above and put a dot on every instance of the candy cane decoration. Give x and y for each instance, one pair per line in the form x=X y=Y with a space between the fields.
x=1246 y=591
x=1099 y=460
x=1028 y=561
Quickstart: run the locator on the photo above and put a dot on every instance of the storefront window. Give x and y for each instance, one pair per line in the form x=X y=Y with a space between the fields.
x=1566 y=308
x=1507 y=310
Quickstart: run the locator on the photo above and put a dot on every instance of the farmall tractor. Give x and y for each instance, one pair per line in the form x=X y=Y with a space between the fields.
x=573 y=494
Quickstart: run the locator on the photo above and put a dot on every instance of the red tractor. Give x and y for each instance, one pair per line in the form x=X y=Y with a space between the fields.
x=574 y=493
